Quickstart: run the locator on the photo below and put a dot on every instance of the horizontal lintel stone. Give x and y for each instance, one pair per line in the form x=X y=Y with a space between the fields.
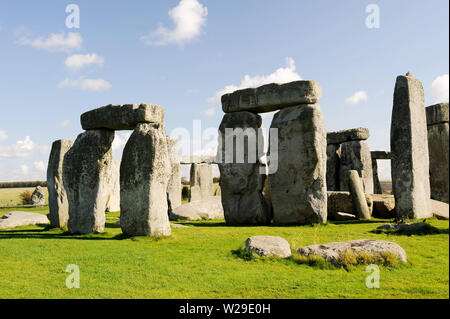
x=272 y=97
x=437 y=113
x=354 y=134
x=122 y=117
x=380 y=155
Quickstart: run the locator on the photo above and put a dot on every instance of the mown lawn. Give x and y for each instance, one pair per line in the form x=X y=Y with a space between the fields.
x=198 y=262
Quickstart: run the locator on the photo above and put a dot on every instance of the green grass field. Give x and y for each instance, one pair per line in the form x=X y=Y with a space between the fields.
x=201 y=262
x=10 y=196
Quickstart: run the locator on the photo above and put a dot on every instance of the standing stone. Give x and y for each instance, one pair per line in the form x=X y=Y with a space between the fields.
x=242 y=183
x=355 y=155
x=174 y=185
x=38 y=197
x=438 y=149
x=201 y=181
x=87 y=175
x=57 y=197
x=358 y=196
x=114 y=197
x=298 y=188
x=333 y=165
x=409 y=158
x=144 y=174
x=376 y=179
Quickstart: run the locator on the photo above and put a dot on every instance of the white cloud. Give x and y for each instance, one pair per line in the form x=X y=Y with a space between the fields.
x=79 y=61
x=357 y=97
x=23 y=149
x=282 y=75
x=40 y=166
x=54 y=42
x=96 y=85
x=24 y=169
x=439 y=88
x=210 y=111
x=3 y=136
x=189 y=18
x=65 y=123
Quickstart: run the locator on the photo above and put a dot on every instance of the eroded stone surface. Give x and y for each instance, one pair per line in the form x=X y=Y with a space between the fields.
x=437 y=113
x=207 y=208
x=438 y=150
x=358 y=196
x=271 y=97
x=201 y=177
x=267 y=246
x=409 y=161
x=342 y=202
x=241 y=183
x=16 y=219
x=114 y=196
x=298 y=188
x=332 y=251
x=333 y=166
x=122 y=117
x=38 y=197
x=174 y=184
x=57 y=197
x=144 y=174
x=87 y=176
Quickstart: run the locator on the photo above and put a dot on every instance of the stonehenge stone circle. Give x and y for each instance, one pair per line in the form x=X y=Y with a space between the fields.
x=272 y=97
x=298 y=188
x=174 y=184
x=355 y=155
x=38 y=197
x=201 y=182
x=376 y=155
x=358 y=196
x=438 y=149
x=122 y=117
x=409 y=142
x=57 y=197
x=114 y=196
x=87 y=176
x=241 y=183
x=342 y=202
x=144 y=174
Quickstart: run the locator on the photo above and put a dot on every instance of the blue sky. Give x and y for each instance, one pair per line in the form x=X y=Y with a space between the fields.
x=135 y=51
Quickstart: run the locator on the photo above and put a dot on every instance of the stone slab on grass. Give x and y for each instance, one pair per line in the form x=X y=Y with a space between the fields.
x=16 y=219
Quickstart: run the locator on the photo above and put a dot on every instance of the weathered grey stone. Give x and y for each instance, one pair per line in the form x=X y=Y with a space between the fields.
x=437 y=113
x=404 y=227
x=122 y=117
x=113 y=204
x=342 y=202
x=57 y=197
x=438 y=150
x=376 y=179
x=267 y=246
x=355 y=155
x=201 y=177
x=87 y=176
x=353 y=134
x=271 y=97
x=38 y=197
x=207 y=208
x=358 y=196
x=218 y=192
x=174 y=184
x=440 y=209
x=332 y=252
x=333 y=166
x=16 y=219
x=409 y=158
x=380 y=155
x=144 y=174
x=298 y=188
x=241 y=183
x=383 y=206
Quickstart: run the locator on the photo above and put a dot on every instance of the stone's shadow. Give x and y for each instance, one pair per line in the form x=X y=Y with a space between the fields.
x=417 y=232
x=360 y=221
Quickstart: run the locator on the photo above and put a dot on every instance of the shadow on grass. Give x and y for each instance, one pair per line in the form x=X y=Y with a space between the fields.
x=225 y=224
x=427 y=229
x=359 y=221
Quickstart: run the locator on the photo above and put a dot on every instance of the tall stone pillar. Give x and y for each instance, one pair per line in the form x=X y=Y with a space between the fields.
x=87 y=175
x=298 y=188
x=57 y=196
x=114 y=196
x=409 y=158
x=333 y=165
x=174 y=184
x=438 y=149
x=378 y=155
x=201 y=181
x=242 y=182
x=144 y=174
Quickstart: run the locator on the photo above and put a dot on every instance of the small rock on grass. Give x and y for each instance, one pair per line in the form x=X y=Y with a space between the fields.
x=267 y=246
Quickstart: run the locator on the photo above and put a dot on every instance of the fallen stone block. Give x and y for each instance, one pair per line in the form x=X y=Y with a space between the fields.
x=267 y=246
x=16 y=219
x=207 y=208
